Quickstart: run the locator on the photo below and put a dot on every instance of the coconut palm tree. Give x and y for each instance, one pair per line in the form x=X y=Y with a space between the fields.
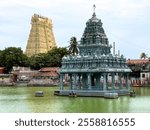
x=73 y=49
x=143 y=55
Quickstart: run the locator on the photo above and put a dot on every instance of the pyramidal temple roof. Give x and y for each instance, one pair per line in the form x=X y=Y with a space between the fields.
x=94 y=38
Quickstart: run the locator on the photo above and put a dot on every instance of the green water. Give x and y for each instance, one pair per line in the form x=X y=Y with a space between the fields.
x=22 y=100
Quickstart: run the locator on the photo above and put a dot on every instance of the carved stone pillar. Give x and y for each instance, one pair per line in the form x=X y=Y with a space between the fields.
x=61 y=82
x=74 y=81
x=89 y=80
x=84 y=80
x=127 y=82
x=70 y=83
x=120 y=81
x=113 y=81
x=104 y=81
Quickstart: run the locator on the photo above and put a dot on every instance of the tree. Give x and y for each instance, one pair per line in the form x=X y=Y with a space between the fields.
x=52 y=58
x=73 y=46
x=1 y=58
x=13 y=56
x=37 y=61
x=143 y=55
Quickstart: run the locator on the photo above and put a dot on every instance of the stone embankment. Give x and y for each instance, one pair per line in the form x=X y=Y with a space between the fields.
x=34 y=82
x=43 y=82
x=7 y=83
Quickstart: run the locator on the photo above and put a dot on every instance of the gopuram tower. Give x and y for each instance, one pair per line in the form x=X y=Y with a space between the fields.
x=94 y=71
x=41 y=37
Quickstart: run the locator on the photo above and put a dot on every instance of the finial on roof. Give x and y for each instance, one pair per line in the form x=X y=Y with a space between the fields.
x=94 y=6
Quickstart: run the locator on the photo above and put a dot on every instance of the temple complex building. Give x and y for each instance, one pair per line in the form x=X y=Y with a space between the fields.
x=41 y=37
x=92 y=72
x=140 y=75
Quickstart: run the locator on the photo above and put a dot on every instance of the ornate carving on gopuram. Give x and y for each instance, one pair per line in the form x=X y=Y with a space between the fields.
x=41 y=38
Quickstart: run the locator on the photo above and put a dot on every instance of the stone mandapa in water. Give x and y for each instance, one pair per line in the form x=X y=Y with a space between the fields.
x=94 y=70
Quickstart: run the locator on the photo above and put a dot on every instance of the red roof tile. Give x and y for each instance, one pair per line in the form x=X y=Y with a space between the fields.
x=2 y=67
x=138 y=61
x=46 y=74
x=49 y=69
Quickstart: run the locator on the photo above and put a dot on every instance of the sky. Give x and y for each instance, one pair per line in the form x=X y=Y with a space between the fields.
x=126 y=22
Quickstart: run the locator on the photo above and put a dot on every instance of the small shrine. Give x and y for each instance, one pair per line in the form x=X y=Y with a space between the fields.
x=94 y=71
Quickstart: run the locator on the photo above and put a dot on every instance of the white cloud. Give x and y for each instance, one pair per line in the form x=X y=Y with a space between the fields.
x=122 y=20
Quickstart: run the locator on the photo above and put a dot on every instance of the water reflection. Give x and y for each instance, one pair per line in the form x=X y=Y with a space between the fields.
x=22 y=99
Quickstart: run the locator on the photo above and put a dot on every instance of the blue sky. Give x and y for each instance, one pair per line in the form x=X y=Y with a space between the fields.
x=126 y=22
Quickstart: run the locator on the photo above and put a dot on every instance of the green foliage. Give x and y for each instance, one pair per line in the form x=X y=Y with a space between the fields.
x=143 y=55
x=1 y=58
x=73 y=49
x=54 y=57
x=51 y=59
x=12 y=56
x=37 y=61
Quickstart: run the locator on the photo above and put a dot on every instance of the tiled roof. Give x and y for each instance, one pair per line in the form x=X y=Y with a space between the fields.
x=138 y=61
x=46 y=74
x=49 y=69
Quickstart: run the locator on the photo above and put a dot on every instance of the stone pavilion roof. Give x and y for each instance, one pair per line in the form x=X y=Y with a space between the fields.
x=94 y=52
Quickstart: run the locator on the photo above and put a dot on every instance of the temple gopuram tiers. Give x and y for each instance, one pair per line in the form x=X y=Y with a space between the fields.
x=41 y=38
x=93 y=71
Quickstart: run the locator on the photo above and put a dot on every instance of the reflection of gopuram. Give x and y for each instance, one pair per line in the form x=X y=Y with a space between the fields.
x=94 y=71
x=41 y=38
